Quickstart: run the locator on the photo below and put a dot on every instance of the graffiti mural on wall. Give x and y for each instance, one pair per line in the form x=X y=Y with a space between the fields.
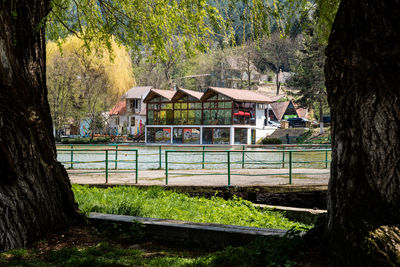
x=84 y=128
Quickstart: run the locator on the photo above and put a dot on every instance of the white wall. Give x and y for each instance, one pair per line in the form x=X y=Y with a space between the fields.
x=260 y=117
x=261 y=133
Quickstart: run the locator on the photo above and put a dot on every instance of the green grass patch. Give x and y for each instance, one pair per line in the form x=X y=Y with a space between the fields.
x=269 y=251
x=156 y=202
x=104 y=254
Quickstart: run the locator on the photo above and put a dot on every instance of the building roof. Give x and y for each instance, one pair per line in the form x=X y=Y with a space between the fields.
x=301 y=112
x=180 y=92
x=168 y=94
x=241 y=95
x=119 y=108
x=279 y=109
x=137 y=92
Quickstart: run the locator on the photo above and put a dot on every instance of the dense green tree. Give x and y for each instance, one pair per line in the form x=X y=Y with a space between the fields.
x=308 y=80
x=275 y=53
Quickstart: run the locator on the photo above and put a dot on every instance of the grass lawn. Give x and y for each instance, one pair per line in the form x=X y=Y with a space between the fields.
x=156 y=202
x=89 y=245
x=84 y=246
x=81 y=246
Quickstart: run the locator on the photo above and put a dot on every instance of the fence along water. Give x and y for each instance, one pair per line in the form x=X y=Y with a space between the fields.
x=106 y=153
x=204 y=157
x=229 y=161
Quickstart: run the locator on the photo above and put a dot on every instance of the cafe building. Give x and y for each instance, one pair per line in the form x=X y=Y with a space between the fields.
x=217 y=116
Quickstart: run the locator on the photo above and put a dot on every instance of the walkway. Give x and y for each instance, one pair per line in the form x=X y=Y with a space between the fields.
x=239 y=177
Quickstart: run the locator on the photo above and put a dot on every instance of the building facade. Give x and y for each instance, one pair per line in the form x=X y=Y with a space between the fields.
x=128 y=116
x=117 y=120
x=136 y=109
x=217 y=116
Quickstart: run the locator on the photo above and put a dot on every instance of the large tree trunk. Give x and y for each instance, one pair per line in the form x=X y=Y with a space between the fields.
x=35 y=192
x=362 y=79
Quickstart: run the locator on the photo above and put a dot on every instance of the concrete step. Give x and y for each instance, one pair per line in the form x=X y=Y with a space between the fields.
x=307 y=216
x=294 y=132
x=208 y=234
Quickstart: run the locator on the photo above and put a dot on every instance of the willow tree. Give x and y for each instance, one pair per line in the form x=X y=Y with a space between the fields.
x=82 y=84
x=35 y=191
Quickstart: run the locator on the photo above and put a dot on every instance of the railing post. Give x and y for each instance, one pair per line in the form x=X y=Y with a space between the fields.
x=136 y=167
x=243 y=148
x=116 y=157
x=159 y=157
x=72 y=156
x=106 y=166
x=203 y=157
x=283 y=156
x=229 y=168
x=326 y=158
x=166 y=167
x=290 y=167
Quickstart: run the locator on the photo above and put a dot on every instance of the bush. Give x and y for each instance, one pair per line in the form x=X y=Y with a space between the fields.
x=86 y=140
x=304 y=137
x=273 y=141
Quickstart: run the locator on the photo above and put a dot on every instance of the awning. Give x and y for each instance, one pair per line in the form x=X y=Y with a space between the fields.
x=240 y=113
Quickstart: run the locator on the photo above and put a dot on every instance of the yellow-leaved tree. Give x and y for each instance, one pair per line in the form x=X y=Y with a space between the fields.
x=84 y=84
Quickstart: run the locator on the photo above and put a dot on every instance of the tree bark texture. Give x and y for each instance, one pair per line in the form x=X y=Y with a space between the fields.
x=362 y=79
x=35 y=192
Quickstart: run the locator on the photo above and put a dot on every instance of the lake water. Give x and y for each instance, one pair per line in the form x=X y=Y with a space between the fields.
x=189 y=157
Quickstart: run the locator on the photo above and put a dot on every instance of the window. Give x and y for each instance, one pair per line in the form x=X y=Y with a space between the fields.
x=117 y=121
x=159 y=112
x=187 y=111
x=217 y=110
x=216 y=135
x=134 y=104
x=244 y=113
x=240 y=136
x=186 y=136
x=159 y=135
x=132 y=121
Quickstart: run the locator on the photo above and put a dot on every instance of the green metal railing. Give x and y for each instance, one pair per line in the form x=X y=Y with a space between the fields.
x=162 y=148
x=229 y=162
x=106 y=160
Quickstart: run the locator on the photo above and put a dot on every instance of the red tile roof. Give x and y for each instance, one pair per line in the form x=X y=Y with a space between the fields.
x=119 y=108
x=302 y=112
